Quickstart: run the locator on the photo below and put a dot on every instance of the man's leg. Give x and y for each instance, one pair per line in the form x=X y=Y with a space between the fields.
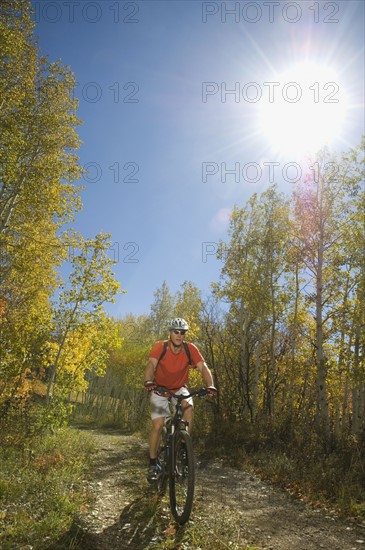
x=155 y=434
x=188 y=414
x=159 y=410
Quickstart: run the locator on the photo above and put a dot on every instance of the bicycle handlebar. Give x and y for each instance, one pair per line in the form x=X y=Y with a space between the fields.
x=161 y=390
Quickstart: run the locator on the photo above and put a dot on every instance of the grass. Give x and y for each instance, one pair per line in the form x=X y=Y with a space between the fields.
x=334 y=478
x=322 y=481
x=41 y=491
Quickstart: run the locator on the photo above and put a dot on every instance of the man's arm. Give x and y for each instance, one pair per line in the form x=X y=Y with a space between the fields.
x=149 y=373
x=206 y=373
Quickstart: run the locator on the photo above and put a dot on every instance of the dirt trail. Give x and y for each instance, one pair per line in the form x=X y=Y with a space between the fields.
x=232 y=509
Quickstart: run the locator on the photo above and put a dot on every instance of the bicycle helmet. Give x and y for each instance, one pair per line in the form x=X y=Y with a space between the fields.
x=178 y=324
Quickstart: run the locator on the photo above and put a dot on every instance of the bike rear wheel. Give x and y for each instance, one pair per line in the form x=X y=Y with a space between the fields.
x=182 y=477
x=162 y=468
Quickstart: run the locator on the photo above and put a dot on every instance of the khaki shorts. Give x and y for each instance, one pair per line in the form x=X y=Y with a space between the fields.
x=160 y=406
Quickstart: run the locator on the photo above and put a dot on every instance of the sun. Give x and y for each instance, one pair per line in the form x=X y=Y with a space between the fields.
x=303 y=110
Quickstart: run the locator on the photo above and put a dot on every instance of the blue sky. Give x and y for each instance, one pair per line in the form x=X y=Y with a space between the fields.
x=170 y=150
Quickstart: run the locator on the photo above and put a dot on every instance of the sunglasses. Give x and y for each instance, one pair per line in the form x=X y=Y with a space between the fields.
x=182 y=332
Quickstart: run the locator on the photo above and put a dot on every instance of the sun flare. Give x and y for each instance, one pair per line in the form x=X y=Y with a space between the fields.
x=303 y=110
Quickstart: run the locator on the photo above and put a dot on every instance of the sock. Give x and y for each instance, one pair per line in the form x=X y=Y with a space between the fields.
x=153 y=461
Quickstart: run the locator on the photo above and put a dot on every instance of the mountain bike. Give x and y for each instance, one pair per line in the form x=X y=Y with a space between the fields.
x=175 y=458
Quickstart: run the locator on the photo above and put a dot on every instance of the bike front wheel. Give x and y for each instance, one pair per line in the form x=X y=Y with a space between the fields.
x=182 y=477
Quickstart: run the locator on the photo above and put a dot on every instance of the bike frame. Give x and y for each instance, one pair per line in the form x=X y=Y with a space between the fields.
x=177 y=418
x=175 y=424
x=174 y=427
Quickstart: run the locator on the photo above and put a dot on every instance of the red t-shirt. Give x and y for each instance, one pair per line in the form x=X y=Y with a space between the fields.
x=173 y=369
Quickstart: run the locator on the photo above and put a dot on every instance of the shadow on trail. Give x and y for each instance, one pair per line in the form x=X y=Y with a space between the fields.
x=135 y=529
x=119 y=475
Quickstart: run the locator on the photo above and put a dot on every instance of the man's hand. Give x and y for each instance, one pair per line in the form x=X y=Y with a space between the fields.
x=212 y=390
x=149 y=385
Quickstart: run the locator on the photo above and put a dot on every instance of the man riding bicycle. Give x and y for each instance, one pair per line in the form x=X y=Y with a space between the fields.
x=168 y=365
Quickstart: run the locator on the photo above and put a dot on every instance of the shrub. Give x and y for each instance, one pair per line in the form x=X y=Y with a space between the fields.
x=42 y=491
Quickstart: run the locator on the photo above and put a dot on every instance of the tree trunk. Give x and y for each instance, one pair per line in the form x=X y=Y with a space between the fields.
x=244 y=373
x=256 y=378
x=322 y=402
